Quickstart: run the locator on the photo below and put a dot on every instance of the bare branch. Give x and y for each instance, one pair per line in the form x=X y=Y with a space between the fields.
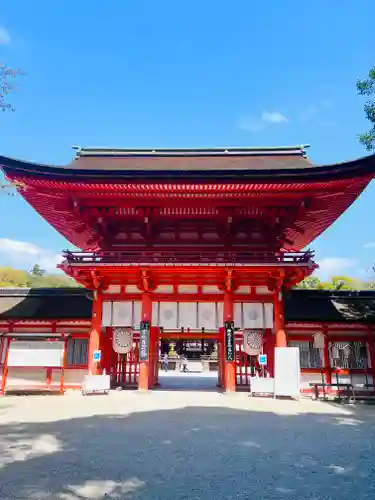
x=8 y=78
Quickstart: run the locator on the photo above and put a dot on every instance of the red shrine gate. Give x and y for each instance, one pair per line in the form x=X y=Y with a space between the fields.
x=185 y=301
x=223 y=226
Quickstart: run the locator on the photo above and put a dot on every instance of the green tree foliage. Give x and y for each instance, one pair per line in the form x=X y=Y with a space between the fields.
x=367 y=88
x=37 y=271
x=16 y=278
x=36 y=278
x=336 y=283
x=311 y=282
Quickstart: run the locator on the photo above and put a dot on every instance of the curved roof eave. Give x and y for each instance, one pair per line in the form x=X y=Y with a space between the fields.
x=364 y=166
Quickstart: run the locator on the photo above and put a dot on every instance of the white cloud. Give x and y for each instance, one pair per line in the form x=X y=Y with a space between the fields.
x=256 y=124
x=371 y=244
x=334 y=266
x=4 y=36
x=274 y=117
x=24 y=255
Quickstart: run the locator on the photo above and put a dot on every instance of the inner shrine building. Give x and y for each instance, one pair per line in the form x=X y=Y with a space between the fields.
x=188 y=245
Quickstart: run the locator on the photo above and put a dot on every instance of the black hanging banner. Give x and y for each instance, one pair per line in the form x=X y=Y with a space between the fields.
x=144 y=337
x=229 y=340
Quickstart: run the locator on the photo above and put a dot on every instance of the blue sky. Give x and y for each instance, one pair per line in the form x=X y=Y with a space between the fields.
x=140 y=73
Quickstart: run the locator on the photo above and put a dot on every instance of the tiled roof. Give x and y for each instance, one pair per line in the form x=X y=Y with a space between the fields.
x=45 y=303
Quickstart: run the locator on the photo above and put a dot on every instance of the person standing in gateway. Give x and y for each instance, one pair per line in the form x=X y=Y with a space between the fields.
x=165 y=362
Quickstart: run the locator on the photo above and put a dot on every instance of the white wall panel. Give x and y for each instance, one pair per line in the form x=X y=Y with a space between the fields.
x=137 y=306
x=219 y=314
x=187 y=289
x=122 y=313
x=207 y=315
x=268 y=315
x=168 y=315
x=237 y=313
x=155 y=313
x=188 y=315
x=107 y=313
x=252 y=315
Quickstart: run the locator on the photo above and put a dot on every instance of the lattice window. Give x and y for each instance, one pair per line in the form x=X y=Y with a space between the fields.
x=77 y=352
x=309 y=356
x=349 y=355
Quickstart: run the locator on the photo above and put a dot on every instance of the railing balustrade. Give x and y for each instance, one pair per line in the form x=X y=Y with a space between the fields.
x=190 y=257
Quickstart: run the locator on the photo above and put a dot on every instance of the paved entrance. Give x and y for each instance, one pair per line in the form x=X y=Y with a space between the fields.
x=179 y=445
x=192 y=381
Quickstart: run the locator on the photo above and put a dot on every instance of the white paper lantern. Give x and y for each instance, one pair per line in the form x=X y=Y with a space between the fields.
x=319 y=340
x=122 y=340
x=252 y=342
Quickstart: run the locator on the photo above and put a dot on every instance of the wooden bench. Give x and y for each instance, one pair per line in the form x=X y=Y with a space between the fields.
x=348 y=387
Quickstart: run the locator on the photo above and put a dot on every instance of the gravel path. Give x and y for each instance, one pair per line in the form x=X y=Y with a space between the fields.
x=183 y=445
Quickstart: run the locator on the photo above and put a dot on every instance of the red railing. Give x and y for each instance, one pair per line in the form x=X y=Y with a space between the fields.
x=187 y=257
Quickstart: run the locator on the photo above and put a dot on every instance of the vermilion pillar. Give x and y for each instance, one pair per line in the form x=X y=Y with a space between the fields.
x=371 y=351
x=327 y=361
x=229 y=366
x=152 y=375
x=145 y=377
x=94 y=339
x=278 y=306
x=221 y=358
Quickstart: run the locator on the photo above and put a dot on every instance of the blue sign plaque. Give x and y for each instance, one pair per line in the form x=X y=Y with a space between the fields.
x=97 y=355
x=262 y=359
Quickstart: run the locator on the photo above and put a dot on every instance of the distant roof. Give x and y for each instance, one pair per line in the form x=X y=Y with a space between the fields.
x=313 y=306
x=45 y=304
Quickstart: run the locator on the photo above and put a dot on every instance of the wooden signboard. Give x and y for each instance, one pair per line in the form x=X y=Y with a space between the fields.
x=144 y=340
x=36 y=353
x=229 y=340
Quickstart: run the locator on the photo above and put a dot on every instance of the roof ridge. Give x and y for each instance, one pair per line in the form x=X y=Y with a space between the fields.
x=299 y=150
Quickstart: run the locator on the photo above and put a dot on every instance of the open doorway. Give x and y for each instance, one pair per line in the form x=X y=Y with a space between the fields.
x=189 y=361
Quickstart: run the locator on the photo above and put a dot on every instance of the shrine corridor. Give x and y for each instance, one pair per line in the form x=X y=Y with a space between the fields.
x=179 y=445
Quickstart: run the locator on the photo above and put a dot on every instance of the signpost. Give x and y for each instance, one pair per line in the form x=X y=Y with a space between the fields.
x=229 y=341
x=144 y=341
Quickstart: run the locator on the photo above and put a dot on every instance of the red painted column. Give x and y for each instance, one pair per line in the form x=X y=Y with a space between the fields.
x=229 y=366
x=221 y=358
x=144 y=366
x=5 y=369
x=269 y=349
x=106 y=348
x=153 y=356
x=327 y=361
x=278 y=306
x=370 y=340
x=94 y=338
x=156 y=364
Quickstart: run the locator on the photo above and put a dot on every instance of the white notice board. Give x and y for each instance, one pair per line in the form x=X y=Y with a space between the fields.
x=287 y=372
x=36 y=353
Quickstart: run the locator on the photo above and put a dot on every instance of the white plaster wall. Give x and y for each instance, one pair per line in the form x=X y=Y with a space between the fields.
x=21 y=378
x=73 y=376
x=307 y=378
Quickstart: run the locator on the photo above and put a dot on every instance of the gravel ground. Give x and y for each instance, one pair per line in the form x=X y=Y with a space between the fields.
x=183 y=445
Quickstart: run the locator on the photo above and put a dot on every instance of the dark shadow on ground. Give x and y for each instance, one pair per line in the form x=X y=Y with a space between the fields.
x=191 y=453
